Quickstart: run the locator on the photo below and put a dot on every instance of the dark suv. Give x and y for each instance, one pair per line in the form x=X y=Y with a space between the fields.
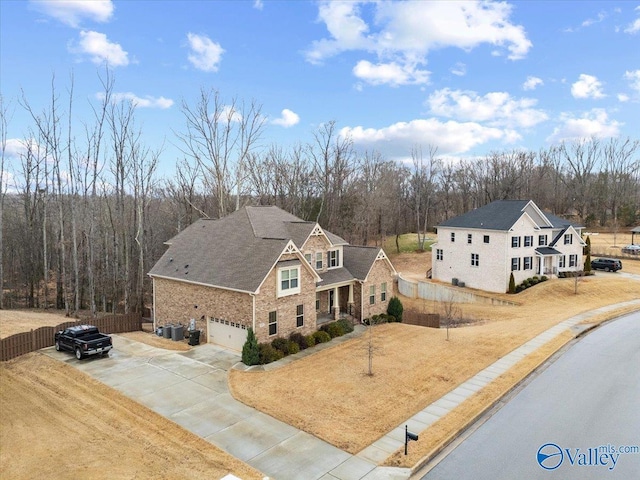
x=606 y=264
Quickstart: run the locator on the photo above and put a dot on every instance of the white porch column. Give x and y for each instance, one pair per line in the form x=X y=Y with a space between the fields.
x=336 y=304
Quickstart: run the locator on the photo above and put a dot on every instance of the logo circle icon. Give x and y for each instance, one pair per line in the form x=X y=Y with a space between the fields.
x=550 y=456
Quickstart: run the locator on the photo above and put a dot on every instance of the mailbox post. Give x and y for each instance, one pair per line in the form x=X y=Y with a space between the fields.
x=408 y=436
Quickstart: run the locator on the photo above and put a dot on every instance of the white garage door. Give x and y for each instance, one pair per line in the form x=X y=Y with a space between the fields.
x=227 y=334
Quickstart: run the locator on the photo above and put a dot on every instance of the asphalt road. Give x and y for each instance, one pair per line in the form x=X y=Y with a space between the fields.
x=588 y=399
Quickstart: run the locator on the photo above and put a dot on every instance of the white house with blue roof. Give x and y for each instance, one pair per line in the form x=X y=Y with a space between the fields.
x=481 y=248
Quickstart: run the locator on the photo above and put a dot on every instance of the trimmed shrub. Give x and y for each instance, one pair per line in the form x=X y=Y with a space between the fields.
x=333 y=329
x=268 y=354
x=395 y=309
x=309 y=341
x=321 y=337
x=281 y=344
x=292 y=347
x=512 y=284
x=250 y=352
x=299 y=339
x=544 y=278
x=346 y=325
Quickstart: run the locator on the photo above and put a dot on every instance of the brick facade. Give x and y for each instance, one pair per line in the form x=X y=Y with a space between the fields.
x=176 y=301
x=380 y=273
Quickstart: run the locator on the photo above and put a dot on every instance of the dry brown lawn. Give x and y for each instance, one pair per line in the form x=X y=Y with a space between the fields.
x=17 y=321
x=57 y=422
x=329 y=395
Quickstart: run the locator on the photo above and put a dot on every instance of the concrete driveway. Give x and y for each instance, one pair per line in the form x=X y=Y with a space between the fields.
x=190 y=388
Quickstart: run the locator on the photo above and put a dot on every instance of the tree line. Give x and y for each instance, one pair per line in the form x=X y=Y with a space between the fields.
x=86 y=215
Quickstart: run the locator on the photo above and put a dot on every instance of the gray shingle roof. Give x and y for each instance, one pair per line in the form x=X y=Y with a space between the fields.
x=335 y=275
x=498 y=215
x=239 y=250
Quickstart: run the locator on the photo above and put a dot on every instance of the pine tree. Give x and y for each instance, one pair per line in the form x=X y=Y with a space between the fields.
x=512 y=284
x=587 y=252
x=395 y=308
x=250 y=352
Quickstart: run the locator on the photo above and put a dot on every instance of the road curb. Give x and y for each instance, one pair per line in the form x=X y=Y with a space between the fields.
x=487 y=411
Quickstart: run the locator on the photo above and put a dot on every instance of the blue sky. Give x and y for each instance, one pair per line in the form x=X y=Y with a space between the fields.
x=467 y=77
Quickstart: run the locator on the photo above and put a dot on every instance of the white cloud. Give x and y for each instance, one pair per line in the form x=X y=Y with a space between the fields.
x=496 y=108
x=100 y=49
x=205 y=54
x=531 y=83
x=459 y=69
x=403 y=33
x=390 y=73
x=139 y=102
x=72 y=12
x=230 y=114
x=623 y=97
x=590 y=21
x=258 y=5
x=587 y=86
x=634 y=79
x=634 y=27
x=450 y=137
x=287 y=119
x=595 y=123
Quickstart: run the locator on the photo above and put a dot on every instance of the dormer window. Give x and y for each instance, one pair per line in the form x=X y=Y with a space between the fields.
x=288 y=281
x=333 y=258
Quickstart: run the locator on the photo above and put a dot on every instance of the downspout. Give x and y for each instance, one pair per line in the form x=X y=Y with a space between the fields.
x=153 y=285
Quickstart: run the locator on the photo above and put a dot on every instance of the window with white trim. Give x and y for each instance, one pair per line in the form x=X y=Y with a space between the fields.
x=486 y=239
x=562 y=261
x=333 y=258
x=288 y=281
x=515 y=242
x=568 y=239
x=515 y=263
x=469 y=238
x=383 y=292
x=475 y=259
x=372 y=295
x=528 y=240
x=317 y=301
x=573 y=260
x=300 y=316
x=273 y=323
x=318 y=260
x=528 y=263
x=453 y=236
x=542 y=240
x=439 y=255
x=308 y=257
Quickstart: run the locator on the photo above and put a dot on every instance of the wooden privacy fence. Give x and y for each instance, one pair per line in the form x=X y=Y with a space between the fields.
x=431 y=320
x=25 y=342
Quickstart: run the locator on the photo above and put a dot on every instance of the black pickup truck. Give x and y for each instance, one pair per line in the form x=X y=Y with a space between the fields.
x=83 y=340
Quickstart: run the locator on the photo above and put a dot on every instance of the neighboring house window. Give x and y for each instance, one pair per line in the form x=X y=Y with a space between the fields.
x=515 y=263
x=528 y=240
x=439 y=255
x=289 y=283
x=486 y=239
x=542 y=240
x=528 y=263
x=300 y=316
x=333 y=258
x=469 y=238
x=308 y=258
x=273 y=323
x=561 y=262
x=319 y=261
x=568 y=239
x=383 y=292
x=317 y=301
x=475 y=260
x=372 y=294
x=515 y=242
x=453 y=236
x=573 y=260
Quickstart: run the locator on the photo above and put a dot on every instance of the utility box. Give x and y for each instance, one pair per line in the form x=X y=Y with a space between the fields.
x=166 y=331
x=177 y=333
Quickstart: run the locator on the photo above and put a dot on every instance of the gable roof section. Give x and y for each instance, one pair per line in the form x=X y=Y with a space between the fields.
x=500 y=215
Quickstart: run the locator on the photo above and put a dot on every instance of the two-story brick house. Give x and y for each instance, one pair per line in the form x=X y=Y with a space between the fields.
x=264 y=268
x=484 y=246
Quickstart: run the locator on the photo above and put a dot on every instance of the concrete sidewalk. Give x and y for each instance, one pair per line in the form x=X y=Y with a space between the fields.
x=190 y=388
